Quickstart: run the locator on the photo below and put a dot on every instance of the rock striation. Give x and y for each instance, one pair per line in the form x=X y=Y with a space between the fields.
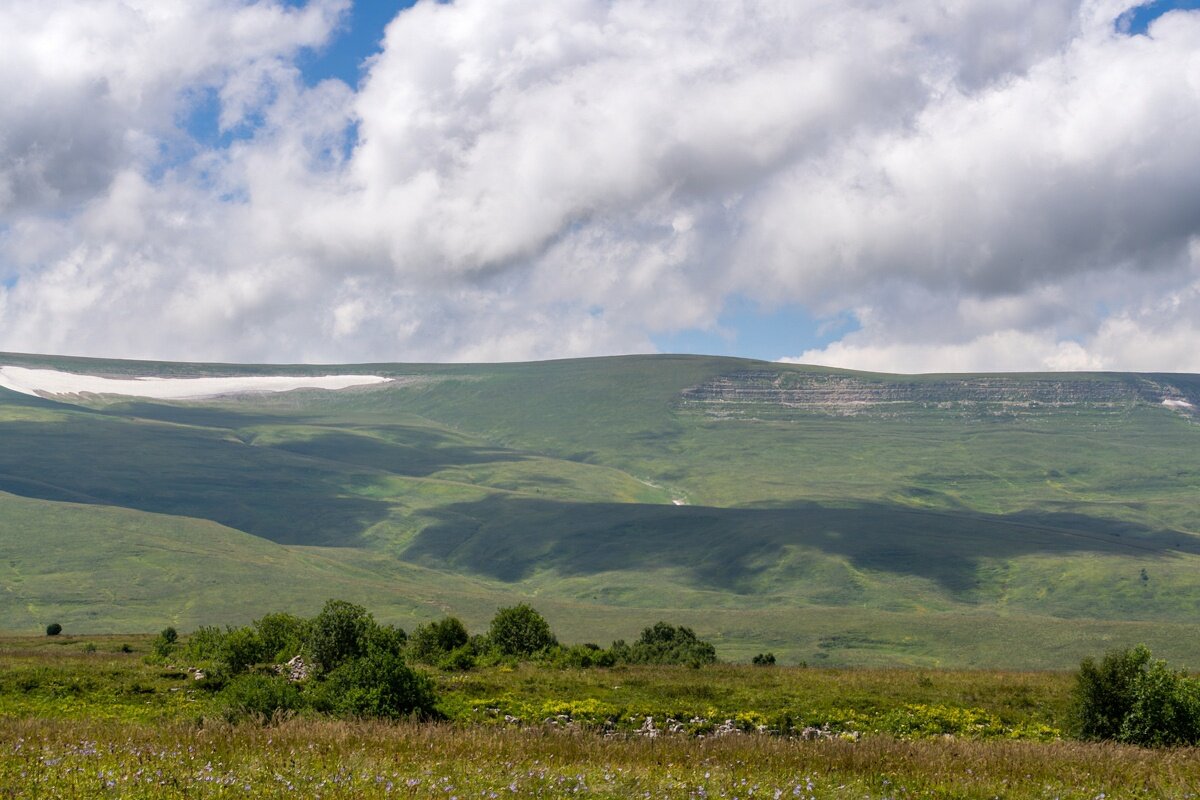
x=743 y=391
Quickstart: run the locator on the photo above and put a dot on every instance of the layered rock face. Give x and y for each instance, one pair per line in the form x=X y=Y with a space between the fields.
x=764 y=390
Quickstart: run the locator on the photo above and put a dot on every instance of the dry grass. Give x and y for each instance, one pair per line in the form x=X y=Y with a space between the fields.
x=304 y=758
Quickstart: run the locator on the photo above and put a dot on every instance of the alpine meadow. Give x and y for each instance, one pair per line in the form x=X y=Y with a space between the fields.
x=834 y=518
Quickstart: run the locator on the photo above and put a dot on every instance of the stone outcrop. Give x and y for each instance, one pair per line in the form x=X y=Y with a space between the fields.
x=838 y=393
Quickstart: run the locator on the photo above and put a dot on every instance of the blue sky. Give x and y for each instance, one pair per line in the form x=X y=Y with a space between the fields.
x=355 y=41
x=1138 y=19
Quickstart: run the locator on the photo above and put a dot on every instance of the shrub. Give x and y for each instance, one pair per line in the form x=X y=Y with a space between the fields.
x=580 y=656
x=1166 y=708
x=282 y=635
x=164 y=643
x=1103 y=693
x=663 y=643
x=262 y=696
x=205 y=644
x=241 y=649
x=53 y=629
x=764 y=660
x=379 y=684
x=340 y=633
x=460 y=659
x=434 y=640
x=520 y=631
x=1131 y=697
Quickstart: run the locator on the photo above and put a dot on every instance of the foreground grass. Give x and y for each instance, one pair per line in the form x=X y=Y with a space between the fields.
x=107 y=678
x=83 y=718
x=43 y=758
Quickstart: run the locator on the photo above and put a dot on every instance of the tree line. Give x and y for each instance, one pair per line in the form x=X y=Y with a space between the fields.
x=343 y=662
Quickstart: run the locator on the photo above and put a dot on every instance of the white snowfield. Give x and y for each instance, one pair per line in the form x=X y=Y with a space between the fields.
x=50 y=383
x=1171 y=402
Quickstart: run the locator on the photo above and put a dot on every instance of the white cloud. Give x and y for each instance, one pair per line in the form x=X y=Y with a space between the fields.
x=95 y=86
x=986 y=186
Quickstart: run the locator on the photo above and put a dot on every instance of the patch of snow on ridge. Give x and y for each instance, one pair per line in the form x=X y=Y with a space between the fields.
x=49 y=382
x=1172 y=402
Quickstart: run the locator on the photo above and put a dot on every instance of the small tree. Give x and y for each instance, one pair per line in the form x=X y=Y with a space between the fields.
x=1103 y=692
x=340 y=633
x=242 y=649
x=434 y=640
x=1133 y=698
x=283 y=635
x=764 y=660
x=165 y=642
x=379 y=684
x=663 y=643
x=520 y=631
x=53 y=629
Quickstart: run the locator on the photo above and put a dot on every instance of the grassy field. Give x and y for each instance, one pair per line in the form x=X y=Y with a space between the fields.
x=84 y=717
x=1011 y=532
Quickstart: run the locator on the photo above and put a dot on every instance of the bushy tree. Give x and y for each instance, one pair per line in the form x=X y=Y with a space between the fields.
x=663 y=643
x=53 y=629
x=433 y=641
x=1103 y=693
x=283 y=635
x=378 y=684
x=340 y=633
x=581 y=656
x=520 y=631
x=1131 y=697
x=241 y=649
x=764 y=660
x=204 y=644
x=262 y=696
x=164 y=643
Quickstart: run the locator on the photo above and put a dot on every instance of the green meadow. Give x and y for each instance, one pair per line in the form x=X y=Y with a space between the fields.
x=92 y=717
x=835 y=518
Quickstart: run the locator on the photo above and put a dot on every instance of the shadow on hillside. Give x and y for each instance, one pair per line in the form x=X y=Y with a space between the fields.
x=728 y=548
x=410 y=451
x=185 y=472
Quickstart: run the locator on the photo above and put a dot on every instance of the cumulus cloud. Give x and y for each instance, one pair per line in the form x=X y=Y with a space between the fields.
x=983 y=186
x=93 y=87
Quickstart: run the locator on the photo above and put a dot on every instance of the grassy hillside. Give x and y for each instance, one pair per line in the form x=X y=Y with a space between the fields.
x=1016 y=520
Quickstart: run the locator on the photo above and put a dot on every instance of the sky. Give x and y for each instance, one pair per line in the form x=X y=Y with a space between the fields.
x=910 y=186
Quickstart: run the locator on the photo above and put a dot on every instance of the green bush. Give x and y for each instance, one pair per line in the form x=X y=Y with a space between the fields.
x=164 y=643
x=259 y=696
x=282 y=635
x=1131 y=697
x=580 y=656
x=460 y=659
x=520 y=631
x=431 y=642
x=53 y=629
x=204 y=645
x=663 y=643
x=378 y=684
x=764 y=660
x=340 y=633
x=241 y=649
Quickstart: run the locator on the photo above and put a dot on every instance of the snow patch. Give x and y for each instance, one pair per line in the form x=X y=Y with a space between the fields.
x=50 y=383
x=1172 y=402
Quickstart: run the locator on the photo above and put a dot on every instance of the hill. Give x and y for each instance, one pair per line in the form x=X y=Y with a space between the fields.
x=831 y=516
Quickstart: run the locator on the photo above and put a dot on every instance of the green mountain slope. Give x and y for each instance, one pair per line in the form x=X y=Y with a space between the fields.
x=832 y=516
